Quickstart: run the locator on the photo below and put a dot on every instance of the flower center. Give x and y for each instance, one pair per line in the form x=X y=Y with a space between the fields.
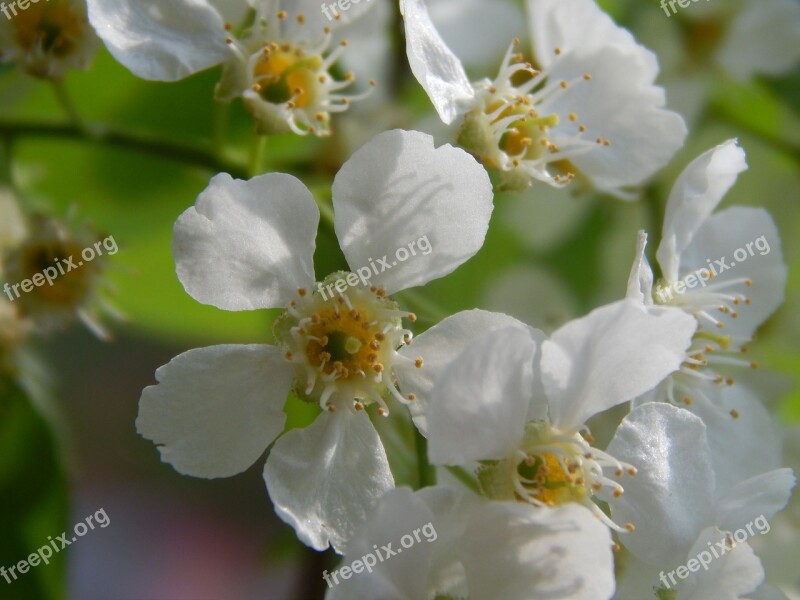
x=517 y=129
x=52 y=260
x=283 y=76
x=714 y=305
x=50 y=28
x=286 y=82
x=552 y=468
x=344 y=344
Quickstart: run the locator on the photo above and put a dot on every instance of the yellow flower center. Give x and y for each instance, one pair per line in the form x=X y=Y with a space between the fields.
x=344 y=344
x=284 y=75
x=53 y=28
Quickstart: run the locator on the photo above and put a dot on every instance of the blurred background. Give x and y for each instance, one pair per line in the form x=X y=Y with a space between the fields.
x=68 y=443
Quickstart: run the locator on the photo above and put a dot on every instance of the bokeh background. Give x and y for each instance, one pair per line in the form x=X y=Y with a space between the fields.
x=550 y=255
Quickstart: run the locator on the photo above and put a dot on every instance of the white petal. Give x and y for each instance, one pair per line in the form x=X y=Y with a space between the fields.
x=162 y=41
x=315 y=20
x=439 y=346
x=477 y=31
x=694 y=197
x=580 y=26
x=247 y=244
x=425 y=210
x=763 y=39
x=323 y=479
x=670 y=498
x=515 y=551
x=611 y=356
x=13 y=225
x=743 y=447
x=640 y=282
x=405 y=575
x=215 y=410
x=434 y=65
x=740 y=232
x=619 y=105
x=758 y=497
x=453 y=510
x=479 y=404
x=729 y=577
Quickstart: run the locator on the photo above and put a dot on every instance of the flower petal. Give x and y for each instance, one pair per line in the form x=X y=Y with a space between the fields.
x=163 y=41
x=398 y=513
x=479 y=404
x=640 y=282
x=516 y=551
x=762 y=40
x=748 y=238
x=439 y=346
x=733 y=575
x=215 y=410
x=323 y=479
x=399 y=191
x=616 y=104
x=477 y=31
x=580 y=26
x=247 y=244
x=670 y=498
x=757 y=434
x=437 y=69
x=758 y=497
x=611 y=356
x=694 y=197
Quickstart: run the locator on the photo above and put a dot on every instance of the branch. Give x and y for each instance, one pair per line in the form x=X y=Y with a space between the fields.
x=199 y=155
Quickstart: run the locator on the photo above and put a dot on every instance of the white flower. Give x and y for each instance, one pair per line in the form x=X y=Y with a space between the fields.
x=713 y=41
x=681 y=501
x=47 y=38
x=590 y=109
x=249 y=245
x=521 y=401
x=281 y=65
x=481 y=550
x=70 y=286
x=726 y=269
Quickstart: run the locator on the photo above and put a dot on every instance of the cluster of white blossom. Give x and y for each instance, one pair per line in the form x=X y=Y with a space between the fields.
x=539 y=509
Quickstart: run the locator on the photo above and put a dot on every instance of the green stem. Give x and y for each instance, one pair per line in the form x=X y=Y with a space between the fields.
x=425 y=473
x=65 y=100
x=465 y=478
x=6 y=151
x=326 y=213
x=189 y=153
x=220 y=127
x=258 y=146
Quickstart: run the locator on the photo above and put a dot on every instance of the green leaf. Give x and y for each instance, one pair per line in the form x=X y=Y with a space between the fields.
x=35 y=499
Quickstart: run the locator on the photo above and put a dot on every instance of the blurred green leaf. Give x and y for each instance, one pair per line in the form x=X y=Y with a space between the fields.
x=33 y=495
